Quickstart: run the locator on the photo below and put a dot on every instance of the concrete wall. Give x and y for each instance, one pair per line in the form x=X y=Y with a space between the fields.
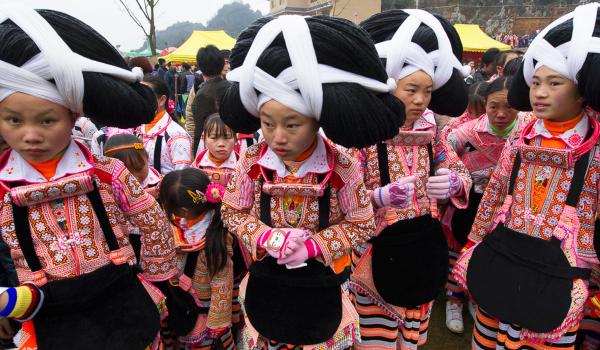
x=356 y=10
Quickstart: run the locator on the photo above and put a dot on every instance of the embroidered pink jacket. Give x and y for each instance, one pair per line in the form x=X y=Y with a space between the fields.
x=557 y=166
x=479 y=149
x=82 y=248
x=407 y=155
x=351 y=212
x=219 y=174
x=176 y=153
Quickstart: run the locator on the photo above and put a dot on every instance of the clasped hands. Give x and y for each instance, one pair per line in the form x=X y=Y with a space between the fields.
x=290 y=246
x=399 y=194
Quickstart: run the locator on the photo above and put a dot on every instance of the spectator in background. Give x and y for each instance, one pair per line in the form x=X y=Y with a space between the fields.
x=161 y=70
x=211 y=63
x=488 y=65
x=141 y=62
x=501 y=59
x=185 y=83
x=170 y=80
x=226 y=54
x=512 y=67
x=186 y=79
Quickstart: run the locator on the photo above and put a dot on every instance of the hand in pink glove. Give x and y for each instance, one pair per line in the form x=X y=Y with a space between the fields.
x=444 y=185
x=295 y=238
x=396 y=195
x=305 y=251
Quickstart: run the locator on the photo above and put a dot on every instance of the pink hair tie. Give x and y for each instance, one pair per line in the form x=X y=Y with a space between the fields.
x=214 y=193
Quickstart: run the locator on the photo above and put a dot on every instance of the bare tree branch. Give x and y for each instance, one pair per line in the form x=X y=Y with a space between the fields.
x=144 y=12
x=134 y=17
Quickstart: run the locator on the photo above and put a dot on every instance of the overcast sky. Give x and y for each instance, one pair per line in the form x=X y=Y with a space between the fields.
x=108 y=17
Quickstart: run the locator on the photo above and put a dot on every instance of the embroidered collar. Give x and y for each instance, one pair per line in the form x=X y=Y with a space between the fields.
x=157 y=129
x=77 y=159
x=317 y=163
x=205 y=161
x=573 y=153
x=197 y=231
x=152 y=179
x=572 y=138
x=425 y=122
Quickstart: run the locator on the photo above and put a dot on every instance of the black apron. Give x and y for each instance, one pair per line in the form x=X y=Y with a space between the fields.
x=108 y=308
x=525 y=280
x=463 y=219
x=300 y=306
x=413 y=251
x=183 y=310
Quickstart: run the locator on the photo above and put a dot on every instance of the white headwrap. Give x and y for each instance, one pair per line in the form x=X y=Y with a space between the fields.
x=305 y=73
x=404 y=57
x=55 y=61
x=567 y=58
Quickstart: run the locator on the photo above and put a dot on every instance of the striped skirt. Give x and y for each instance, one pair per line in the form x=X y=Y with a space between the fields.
x=589 y=328
x=454 y=292
x=380 y=331
x=490 y=334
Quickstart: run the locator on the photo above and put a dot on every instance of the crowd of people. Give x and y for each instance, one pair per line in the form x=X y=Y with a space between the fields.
x=327 y=183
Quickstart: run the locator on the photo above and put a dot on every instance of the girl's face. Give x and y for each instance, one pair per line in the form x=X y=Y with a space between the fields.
x=553 y=96
x=414 y=91
x=220 y=146
x=500 y=113
x=287 y=132
x=34 y=127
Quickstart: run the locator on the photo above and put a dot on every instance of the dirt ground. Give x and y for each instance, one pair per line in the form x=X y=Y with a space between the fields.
x=440 y=338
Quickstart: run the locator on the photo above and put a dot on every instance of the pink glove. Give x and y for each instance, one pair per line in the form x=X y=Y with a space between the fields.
x=444 y=185
x=306 y=251
x=296 y=238
x=291 y=239
x=396 y=195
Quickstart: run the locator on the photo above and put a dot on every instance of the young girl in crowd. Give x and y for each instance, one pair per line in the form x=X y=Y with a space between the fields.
x=475 y=108
x=531 y=247
x=130 y=150
x=168 y=145
x=56 y=197
x=298 y=204
x=193 y=203
x=405 y=267
x=478 y=143
x=218 y=160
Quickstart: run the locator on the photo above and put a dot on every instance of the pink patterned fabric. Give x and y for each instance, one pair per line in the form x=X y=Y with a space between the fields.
x=85 y=250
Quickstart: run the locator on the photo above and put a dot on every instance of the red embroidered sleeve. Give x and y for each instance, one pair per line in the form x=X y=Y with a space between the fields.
x=449 y=159
x=493 y=197
x=158 y=260
x=235 y=211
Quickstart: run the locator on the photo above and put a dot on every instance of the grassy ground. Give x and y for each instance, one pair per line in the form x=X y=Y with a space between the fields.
x=440 y=338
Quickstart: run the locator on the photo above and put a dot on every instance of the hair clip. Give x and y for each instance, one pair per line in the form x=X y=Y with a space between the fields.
x=214 y=193
x=137 y=146
x=197 y=196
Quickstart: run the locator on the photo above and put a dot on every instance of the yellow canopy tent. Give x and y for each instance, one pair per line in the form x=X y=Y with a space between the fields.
x=200 y=38
x=475 y=40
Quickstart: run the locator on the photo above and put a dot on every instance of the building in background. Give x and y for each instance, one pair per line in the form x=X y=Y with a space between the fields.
x=354 y=10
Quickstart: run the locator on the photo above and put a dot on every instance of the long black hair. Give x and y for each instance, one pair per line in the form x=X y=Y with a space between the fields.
x=588 y=76
x=174 y=195
x=107 y=100
x=450 y=99
x=351 y=115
